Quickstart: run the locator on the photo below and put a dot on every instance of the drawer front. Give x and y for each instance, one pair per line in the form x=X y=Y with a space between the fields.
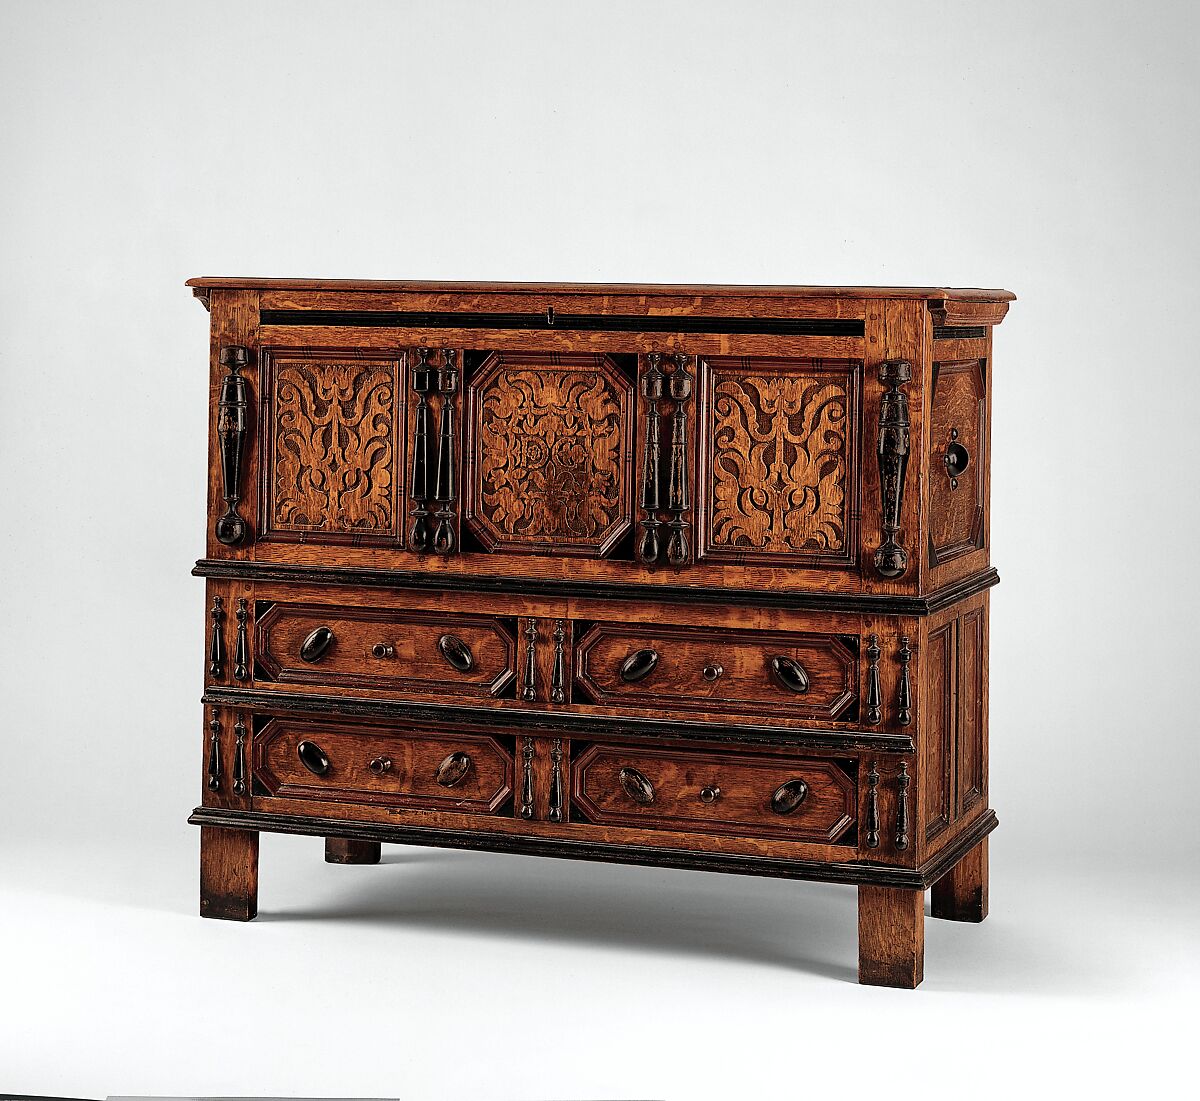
x=794 y=798
x=305 y=759
x=446 y=654
x=701 y=669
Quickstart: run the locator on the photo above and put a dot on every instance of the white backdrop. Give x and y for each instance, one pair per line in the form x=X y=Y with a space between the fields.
x=1050 y=148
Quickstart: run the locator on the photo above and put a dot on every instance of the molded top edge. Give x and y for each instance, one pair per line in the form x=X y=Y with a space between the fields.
x=960 y=294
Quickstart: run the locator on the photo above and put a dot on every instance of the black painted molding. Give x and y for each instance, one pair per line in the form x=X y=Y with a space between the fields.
x=870 y=603
x=853 y=872
x=556 y=723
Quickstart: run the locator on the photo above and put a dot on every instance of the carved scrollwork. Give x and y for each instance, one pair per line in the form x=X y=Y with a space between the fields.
x=891 y=560
x=232 y=422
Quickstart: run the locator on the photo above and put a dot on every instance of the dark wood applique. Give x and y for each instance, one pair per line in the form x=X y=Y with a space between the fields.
x=558 y=674
x=241 y=650
x=214 y=752
x=239 y=756
x=216 y=646
x=872 y=822
x=446 y=491
x=874 y=700
x=904 y=692
x=891 y=560
x=556 y=781
x=679 y=385
x=232 y=419
x=421 y=383
x=527 y=752
x=902 y=782
x=649 y=546
x=529 y=687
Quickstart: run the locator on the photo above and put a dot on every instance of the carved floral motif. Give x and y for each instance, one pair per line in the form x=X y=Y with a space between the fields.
x=334 y=447
x=780 y=456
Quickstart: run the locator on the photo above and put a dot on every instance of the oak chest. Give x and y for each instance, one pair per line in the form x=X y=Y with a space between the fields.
x=683 y=576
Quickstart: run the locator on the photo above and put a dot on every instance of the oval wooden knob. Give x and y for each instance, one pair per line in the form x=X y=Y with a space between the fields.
x=790 y=673
x=710 y=794
x=313 y=758
x=636 y=786
x=453 y=770
x=380 y=765
x=317 y=645
x=712 y=672
x=787 y=799
x=383 y=650
x=456 y=652
x=638 y=665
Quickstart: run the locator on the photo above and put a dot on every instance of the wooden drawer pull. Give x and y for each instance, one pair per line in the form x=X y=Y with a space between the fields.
x=380 y=765
x=638 y=665
x=788 y=798
x=636 y=786
x=317 y=645
x=456 y=652
x=453 y=770
x=790 y=673
x=313 y=758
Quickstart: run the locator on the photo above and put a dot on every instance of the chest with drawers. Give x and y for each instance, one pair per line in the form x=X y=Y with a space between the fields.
x=682 y=576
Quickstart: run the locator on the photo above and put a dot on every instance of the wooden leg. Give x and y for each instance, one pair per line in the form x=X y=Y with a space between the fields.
x=891 y=936
x=228 y=873
x=962 y=893
x=345 y=850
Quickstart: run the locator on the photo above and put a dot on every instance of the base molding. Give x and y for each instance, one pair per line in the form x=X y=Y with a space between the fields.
x=851 y=872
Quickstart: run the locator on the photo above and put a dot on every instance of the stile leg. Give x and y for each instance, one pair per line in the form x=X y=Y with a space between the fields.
x=891 y=936
x=962 y=893
x=228 y=873
x=346 y=850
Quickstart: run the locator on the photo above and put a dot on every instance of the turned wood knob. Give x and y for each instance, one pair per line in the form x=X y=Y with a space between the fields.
x=456 y=652
x=636 y=786
x=380 y=765
x=453 y=770
x=317 y=645
x=638 y=665
x=787 y=799
x=712 y=672
x=383 y=650
x=313 y=758
x=789 y=673
x=710 y=794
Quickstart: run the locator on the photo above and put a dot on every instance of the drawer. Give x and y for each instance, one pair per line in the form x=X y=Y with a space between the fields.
x=443 y=653
x=806 y=676
x=793 y=798
x=307 y=759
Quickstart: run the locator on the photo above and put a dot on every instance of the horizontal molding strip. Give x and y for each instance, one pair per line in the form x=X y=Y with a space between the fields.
x=520 y=720
x=875 y=875
x=870 y=603
x=643 y=323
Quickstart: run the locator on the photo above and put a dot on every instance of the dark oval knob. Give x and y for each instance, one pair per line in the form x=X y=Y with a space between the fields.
x=453 y=770
x=380 y=765
x=710 y=794
x=790 y=673
x=313 y=758
x=712 y=672
x=636 y=786
x=316 y=646
x=788 y=798
x=638 y=665
x=957 y=459
x=456 y=652
x=383 y=650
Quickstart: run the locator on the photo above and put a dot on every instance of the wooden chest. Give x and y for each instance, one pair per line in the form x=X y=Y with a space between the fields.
x=683 y=576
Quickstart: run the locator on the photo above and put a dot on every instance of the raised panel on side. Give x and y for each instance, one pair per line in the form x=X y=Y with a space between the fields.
x=958 y=427
x=970 y=749
x=331 y=426
x=938 y=738
x=549 y=454
x=778 y=478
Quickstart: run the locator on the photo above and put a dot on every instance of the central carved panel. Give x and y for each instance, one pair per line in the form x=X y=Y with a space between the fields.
x=551 y=439
x=779 y=473
x=330 y=446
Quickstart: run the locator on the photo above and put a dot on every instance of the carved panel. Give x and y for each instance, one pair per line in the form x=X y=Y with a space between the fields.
x=549 y=454
x=958 y=426
x=332 y=471
x=779 y=470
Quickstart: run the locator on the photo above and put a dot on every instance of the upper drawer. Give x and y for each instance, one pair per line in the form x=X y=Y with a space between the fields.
x=813 y=676
x=442 y=653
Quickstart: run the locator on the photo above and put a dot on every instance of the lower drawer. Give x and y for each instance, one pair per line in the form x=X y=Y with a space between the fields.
x=793 y=798
x=359 y=763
